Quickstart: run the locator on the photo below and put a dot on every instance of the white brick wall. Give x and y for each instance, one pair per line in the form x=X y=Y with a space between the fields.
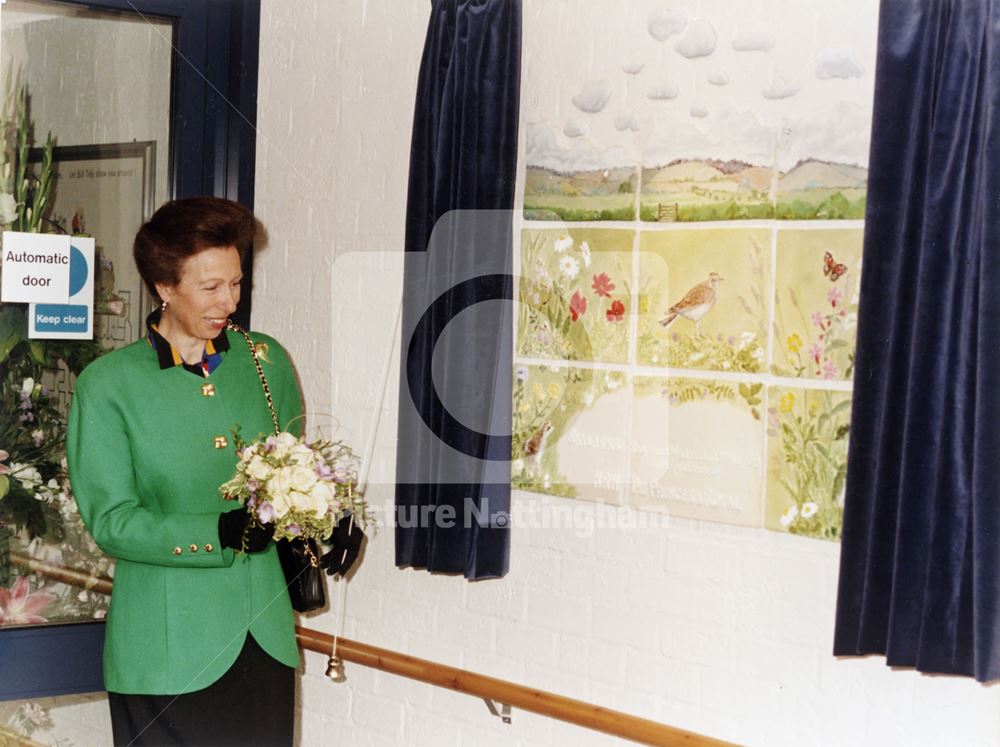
x=722 y=630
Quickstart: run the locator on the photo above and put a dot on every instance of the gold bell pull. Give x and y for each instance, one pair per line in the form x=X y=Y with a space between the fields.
x=335 y=669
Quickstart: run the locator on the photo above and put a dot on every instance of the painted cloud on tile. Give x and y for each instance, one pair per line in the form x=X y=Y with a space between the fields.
x=838 y=62
x=697 y=40
x=753 y=39
x=780 y=88
x=593 y=97
x=662 y=24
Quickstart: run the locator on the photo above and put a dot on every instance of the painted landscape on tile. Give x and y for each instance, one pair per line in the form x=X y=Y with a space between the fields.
x=688 y=190
x=816 y=303
x=702 y=299
x=822 y=190
x=575 y=294
x=697 y=449
x=591 y=195
x=807 y=434
x=569 y=434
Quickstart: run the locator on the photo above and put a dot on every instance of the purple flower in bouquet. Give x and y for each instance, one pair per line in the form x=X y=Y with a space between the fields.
x=294 y=529
x=265 y=512
x=323 y=470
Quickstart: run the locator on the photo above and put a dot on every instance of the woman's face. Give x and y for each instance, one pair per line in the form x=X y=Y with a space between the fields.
x=206 y=295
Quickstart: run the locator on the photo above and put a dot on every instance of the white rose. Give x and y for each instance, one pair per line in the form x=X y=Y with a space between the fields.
x=28 y=386
x=302 y=478
x=302 y=454
x=319 y=499
x=280 y=482
x=281 y=505
x=8 y=208
x=258 y=469
x=284 y=442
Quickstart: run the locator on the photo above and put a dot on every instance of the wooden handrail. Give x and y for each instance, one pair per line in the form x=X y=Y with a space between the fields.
x=577 y=712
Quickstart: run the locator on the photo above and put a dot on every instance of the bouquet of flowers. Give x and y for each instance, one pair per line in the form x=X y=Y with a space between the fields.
x=302 y=487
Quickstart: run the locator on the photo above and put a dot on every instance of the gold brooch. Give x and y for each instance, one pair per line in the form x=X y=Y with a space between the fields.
x=261 y=349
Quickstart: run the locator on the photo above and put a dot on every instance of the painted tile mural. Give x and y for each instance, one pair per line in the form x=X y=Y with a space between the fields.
x=694 y=186
x=569 y=434
x=575 y=294
x=816 y=303
x=703 y=303
x=697 y=449
x=807 y=433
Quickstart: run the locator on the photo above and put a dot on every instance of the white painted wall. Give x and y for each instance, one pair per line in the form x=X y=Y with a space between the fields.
x=722 y=630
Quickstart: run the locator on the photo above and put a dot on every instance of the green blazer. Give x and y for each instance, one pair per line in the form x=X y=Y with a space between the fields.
x=146 y=470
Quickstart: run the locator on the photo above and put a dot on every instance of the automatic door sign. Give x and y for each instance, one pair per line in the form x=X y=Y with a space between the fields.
x=73 y=320
x=35 y=268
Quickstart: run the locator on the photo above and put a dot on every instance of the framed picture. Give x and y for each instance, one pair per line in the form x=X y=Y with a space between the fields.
x=107 y=191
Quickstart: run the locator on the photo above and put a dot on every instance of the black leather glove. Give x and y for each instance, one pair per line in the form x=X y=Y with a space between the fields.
x=236 y=531
x=345 y=545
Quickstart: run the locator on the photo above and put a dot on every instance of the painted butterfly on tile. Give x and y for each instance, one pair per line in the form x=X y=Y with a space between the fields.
x=832 y=268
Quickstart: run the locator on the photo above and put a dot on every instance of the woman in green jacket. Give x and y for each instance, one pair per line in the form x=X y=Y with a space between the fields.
x=200 y=645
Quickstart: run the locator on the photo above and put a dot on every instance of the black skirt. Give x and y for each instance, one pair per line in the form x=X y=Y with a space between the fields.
x=252 y=703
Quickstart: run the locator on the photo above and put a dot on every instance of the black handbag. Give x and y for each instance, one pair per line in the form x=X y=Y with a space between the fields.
x=304 y=580
x=299 y=557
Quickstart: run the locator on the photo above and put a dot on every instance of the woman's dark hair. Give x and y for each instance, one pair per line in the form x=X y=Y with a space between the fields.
x=182 y=228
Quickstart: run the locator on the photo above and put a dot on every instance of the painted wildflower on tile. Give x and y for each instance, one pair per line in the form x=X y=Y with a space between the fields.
x=807 y=431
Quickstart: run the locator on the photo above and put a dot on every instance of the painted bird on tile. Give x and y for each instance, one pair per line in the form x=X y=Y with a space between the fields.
x=696 y=303
x=535 y=445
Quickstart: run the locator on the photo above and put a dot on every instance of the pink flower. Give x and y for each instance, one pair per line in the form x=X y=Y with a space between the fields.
x=616 y=313
x=602 y=285
x=830 y=370
x=18 y=607
x=577 y=306
x=815 y=351
x=265 y=512
x=833 y=295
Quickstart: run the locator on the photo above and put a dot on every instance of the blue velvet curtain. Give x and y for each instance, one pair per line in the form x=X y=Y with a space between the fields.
x=453 y=454
x=920 y=563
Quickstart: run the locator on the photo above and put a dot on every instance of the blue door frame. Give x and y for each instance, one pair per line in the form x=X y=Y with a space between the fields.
x=212 y=151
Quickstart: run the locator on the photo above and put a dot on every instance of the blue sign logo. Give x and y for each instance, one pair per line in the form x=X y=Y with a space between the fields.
x=77 y=270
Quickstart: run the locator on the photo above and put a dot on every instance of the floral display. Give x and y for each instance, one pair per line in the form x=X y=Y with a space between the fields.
x=301 y=487
x=38 y=515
